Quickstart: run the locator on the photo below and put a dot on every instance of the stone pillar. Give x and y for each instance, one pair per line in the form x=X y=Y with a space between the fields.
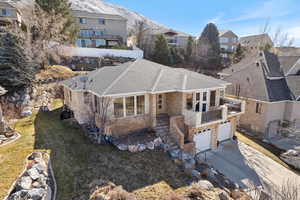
x=153 y=109
x=214 y=137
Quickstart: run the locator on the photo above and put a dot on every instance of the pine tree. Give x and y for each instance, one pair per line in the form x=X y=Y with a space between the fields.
x=189 y=49
x=161 y=53
x=209 y=47
x=62 y=7
x=16 y=69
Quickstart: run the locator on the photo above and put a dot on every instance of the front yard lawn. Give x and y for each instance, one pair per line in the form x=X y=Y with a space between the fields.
x=77 y=162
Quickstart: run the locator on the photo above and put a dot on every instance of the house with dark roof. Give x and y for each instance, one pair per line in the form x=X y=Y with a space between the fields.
x=9 y=14
x=256 y=42
x=186 y=106
x=270 y=84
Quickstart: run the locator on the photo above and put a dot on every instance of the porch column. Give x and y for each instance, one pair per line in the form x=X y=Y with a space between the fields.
x=153 y=109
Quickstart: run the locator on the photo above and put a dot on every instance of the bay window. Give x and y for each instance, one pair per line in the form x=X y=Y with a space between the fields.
x=129 y=106
x=140 y=101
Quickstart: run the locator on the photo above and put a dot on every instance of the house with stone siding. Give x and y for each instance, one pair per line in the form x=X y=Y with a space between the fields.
x=179 y=105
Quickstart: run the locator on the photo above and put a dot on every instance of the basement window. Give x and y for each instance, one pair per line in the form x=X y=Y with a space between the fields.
x=258 y=108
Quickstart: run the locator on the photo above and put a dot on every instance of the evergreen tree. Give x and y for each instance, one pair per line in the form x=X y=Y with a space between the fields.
x=16 y=69
x=209 y=47
x=62 y=7
x=161 y=53
x=239 y=54
x=189 y=49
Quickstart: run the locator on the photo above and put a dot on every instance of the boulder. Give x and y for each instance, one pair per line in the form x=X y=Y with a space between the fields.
x=41 y=166
x=187 y=156
x=224 y=196
x=33 y=173
x=205 y=185
x=174 y=153
x=26 y=112
x=189 y=164
x=133 y=148
x=150 y=145
x=35 y=155
x=291 y=152
x=25 y=182
x=122 y=147
x=196 y=174
x=158 y=142
x=141 y=147
x=37 y=193
x=19 y=195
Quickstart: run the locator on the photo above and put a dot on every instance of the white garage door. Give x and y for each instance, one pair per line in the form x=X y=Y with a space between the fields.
x=202 y=140
x=224 y=131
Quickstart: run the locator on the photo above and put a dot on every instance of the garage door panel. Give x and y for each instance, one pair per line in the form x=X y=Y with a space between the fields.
x=224 y=131
x=202 y=140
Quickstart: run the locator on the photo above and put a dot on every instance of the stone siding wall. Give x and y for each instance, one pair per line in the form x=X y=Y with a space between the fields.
x=174 y=103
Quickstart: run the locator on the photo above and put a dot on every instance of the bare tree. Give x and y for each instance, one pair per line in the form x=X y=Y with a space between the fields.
x=278 y=37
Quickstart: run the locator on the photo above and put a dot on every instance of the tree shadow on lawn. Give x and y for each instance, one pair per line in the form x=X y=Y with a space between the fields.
x=77 y=162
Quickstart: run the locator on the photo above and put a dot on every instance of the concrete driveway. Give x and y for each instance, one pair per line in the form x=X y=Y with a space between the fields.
x=249 y=167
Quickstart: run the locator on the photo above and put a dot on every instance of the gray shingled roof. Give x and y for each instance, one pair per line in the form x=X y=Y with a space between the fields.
x=263 y=82
x=254 y=39
x=294 y=85
x=142 y=76
x=287 y=62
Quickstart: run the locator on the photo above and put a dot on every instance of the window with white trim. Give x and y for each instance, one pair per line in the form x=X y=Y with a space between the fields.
x=129 y=106
x=82 y=20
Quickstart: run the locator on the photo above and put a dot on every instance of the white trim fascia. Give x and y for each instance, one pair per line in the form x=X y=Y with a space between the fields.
x=274 y=78
x=184 y=82
x=297 y=62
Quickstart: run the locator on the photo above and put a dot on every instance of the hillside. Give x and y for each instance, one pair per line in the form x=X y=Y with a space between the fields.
x=100 y=6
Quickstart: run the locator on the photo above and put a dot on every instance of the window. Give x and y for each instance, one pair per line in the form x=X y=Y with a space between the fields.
x=258 y=108
x=70 y=96
x=82 y=20
x=224 y=47
x=223 y=40
x=6 y=12
x=83 y=44
x=100 y=43
x=222 y=93
x=96 y=104
x=129 y=106
x=189 y=101
x=118 y=107
x=101 y=21
x=204 y=107
x=204 y=96
x=197 y=102
x=213 y=98
x=86 y=98
x=140 y=105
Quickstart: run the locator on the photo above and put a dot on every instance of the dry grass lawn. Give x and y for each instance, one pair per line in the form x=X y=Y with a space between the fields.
x=77 y=162
x=56 y=72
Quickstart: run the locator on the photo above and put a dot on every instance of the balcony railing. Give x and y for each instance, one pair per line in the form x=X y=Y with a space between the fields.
x=228 y=108
x=99 y=36
x=234 y=106
x=210 y=116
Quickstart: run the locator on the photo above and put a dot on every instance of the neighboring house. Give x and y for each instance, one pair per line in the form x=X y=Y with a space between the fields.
x=271 y=87
x=100 y=30
x=256 y=42
x=186 y=106
x=174 y=38
x=287 y=51
x=8 y=14
x=228 y=42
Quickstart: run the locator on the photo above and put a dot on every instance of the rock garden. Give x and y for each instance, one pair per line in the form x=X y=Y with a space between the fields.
x=37 y=180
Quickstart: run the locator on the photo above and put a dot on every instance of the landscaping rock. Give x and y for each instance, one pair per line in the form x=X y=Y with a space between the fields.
x=189 y=164
x=174 y=153
x=205 y=185
x=33 y=173
x=224 y=196
x=142 y=147
x=158 y=142
x=291 y=152
x=122 y=147
x=196 y=174
x=26 y=112
x=37 y=193
x=25 y=182
x=150 y=145
x=41 y=166
x=133 y=148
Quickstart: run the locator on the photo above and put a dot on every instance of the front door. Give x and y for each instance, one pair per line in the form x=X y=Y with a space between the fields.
x=160 y=103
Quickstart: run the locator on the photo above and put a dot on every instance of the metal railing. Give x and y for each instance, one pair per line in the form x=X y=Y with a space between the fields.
x=210 y=116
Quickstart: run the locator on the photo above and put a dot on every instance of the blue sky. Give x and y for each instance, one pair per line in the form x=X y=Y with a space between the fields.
x=242 y=16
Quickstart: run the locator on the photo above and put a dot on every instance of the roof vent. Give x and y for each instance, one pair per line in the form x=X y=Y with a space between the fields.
x=260 y=54
x=257 y=64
